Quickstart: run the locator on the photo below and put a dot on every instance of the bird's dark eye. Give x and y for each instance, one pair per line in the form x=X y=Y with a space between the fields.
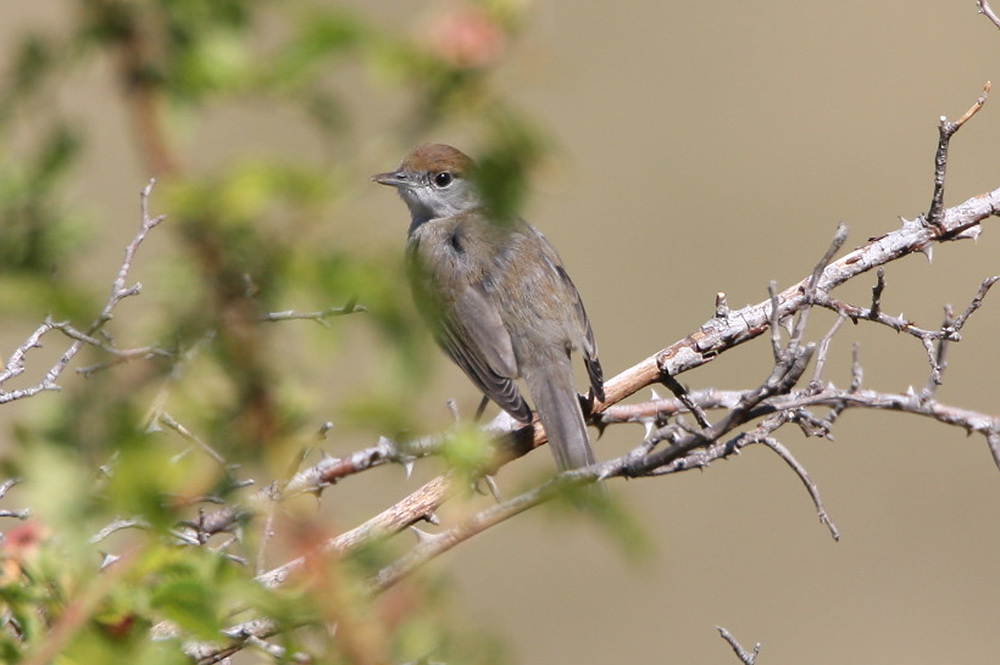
x=443 y=179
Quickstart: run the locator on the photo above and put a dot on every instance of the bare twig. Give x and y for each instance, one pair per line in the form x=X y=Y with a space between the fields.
x=7 y=485
x=124 y=354
x=319 y=317
x=165 y=419
x=116 y=526
x=987 y=11
x=839 y=238
x=857 y=313
x=661 y=409
x=946 y=130
x=977 y=302
x=22 y=513
x=824 y=348
x=681 y=393
x=16 y=365
x=785 y=454
x=746 y=657
x=119 y=291
x=799 y=329
x=937 y=356
x=772 y=321
x=877 y=291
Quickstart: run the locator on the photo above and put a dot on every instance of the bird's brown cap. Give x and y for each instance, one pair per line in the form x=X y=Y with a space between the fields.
x=437 y=157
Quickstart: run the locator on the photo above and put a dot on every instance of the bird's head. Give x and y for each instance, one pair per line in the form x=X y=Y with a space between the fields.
x=435 y=181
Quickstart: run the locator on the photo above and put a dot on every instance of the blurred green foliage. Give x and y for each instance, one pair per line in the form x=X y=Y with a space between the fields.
x=99 y=451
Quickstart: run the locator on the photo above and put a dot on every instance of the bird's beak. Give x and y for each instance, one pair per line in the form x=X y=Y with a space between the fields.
x=393 y=179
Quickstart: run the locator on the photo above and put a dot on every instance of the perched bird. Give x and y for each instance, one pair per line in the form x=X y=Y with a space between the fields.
x=497 y=297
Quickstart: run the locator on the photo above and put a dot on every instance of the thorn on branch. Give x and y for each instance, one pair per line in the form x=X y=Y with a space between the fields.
x=491 y=484
x=422 y=536
x=993 y=440
x=431 y=518
x=721 y=305
x=107 y=560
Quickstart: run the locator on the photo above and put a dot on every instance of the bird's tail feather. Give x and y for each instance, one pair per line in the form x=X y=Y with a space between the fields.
x=553 y=392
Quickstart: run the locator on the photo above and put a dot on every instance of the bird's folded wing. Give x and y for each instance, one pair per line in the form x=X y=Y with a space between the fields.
x=474 y=335
x=586 y=341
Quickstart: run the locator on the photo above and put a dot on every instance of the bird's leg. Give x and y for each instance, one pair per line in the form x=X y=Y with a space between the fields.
x=482 y=407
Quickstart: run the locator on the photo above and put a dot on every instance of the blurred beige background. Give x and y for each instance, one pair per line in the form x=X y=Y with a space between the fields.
x=704 y=147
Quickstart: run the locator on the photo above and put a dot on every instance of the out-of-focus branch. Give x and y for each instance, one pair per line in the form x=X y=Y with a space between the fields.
x=319 y=317
x=16 y=363
x=137 y=72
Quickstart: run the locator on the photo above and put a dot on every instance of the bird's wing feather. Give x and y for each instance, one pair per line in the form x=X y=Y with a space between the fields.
x=473 y=334
x=586 y=340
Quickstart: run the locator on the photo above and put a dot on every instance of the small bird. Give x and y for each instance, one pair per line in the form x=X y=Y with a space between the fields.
x=497 y=297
